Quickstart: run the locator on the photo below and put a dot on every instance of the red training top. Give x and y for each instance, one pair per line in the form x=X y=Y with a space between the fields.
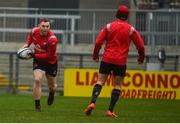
x=118 y=36
x=45 y=46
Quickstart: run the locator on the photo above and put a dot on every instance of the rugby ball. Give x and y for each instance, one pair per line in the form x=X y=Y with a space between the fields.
x=23 y=53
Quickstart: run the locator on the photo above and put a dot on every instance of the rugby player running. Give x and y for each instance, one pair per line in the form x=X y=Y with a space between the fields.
x=118 y=35
x=44 y=43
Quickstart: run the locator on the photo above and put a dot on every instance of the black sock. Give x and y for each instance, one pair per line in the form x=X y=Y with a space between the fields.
x=114 y=98
x=96 y=91
x=37 y=103
x=51 y=93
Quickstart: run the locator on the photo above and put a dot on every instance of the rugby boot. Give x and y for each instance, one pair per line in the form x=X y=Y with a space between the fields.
x=38 y=108
x=111 y=114
x=89 y=109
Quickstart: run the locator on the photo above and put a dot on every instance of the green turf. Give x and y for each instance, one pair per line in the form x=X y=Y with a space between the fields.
x=20 y=108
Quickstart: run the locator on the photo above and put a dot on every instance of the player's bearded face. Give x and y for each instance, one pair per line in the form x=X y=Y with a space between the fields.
x=44 y=28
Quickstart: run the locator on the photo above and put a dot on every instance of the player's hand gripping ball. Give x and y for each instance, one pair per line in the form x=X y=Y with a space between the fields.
x=25 y=53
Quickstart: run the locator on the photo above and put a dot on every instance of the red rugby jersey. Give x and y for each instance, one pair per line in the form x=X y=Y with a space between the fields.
x=44 y=46
x=118 y=36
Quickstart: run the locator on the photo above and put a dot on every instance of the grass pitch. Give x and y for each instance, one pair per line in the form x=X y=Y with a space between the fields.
x=20 y=108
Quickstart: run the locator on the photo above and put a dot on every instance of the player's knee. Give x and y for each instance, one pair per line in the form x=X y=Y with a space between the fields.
x=37 y=82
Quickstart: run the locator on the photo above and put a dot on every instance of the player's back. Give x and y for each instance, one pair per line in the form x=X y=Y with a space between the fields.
x=118 y=41
x=119 y=33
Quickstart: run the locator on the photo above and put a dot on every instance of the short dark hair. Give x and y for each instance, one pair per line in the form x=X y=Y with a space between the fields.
x=44 y=20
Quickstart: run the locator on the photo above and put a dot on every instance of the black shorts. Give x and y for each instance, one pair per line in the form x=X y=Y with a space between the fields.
x=108 y=68
x=50 y=69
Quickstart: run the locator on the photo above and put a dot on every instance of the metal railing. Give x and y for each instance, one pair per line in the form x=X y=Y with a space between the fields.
x=19 y=72
x=158 y=27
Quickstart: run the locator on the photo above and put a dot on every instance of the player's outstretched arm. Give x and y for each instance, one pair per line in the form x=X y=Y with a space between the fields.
x=139 y=43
